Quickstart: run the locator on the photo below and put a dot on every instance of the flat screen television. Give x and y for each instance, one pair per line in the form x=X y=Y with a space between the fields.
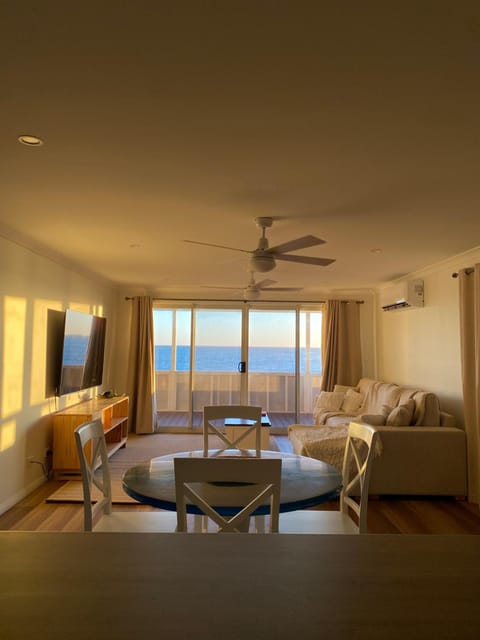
x=82 y=352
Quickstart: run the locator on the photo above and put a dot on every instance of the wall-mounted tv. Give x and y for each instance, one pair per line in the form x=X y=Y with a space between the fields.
x=82 y=353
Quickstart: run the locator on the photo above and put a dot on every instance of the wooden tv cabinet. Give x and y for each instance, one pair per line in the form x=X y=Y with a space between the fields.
x=113 y=412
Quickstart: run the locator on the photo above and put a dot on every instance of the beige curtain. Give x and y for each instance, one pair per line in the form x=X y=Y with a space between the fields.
x=470 y=349
x=141 y=375
x=341 y=350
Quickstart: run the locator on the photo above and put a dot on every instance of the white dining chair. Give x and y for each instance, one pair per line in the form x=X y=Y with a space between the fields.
x=201 y=481
x=98 y=514
x=361 y=447
x=213 y=415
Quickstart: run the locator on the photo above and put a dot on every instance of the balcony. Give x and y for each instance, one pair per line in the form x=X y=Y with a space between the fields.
x=274 y=392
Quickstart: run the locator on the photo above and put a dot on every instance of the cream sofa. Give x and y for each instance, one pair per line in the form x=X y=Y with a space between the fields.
x=421 y=453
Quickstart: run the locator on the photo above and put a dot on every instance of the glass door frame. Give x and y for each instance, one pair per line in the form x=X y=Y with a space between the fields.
x=245 y=307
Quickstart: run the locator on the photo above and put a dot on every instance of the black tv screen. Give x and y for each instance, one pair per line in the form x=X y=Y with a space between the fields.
x=83 y=352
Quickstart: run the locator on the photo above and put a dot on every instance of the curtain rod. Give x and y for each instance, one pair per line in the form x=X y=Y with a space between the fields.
x=468 y=271
x=245 y=301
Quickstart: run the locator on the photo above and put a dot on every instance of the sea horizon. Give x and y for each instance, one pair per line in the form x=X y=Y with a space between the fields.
x=261 y=359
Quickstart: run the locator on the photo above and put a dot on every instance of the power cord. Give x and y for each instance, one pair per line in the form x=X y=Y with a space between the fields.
x=46 y=465
x=43 y=465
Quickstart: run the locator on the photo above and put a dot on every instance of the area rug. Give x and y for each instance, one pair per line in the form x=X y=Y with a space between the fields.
x=140 y=448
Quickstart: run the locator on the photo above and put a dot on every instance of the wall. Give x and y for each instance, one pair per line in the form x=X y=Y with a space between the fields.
x=29 y=286
x=421 y=346
x=367 y=334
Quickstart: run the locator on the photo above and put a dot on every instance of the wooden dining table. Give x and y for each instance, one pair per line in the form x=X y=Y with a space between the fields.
x=117 y=586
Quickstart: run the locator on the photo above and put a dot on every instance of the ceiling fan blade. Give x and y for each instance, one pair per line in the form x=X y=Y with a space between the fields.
x=282 y=289
x=321 y=262
x=218 y=246
x=213 y=286
x=295 y=245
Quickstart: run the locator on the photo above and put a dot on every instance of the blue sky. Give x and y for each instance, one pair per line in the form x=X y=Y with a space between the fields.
x=223 y=327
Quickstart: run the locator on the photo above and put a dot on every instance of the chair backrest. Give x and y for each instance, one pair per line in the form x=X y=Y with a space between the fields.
x=92 y=452
x=238 y=484
x=362 y=440
x=213 y=417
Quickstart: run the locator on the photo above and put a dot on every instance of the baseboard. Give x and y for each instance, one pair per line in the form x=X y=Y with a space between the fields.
x=13 y=500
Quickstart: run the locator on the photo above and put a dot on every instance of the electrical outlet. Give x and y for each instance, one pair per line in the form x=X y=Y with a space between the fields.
x=30 y=458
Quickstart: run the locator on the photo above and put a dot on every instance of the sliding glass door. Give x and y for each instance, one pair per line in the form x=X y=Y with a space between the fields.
x=309 y=363
x=218 y=343
x=173 y=377
x=284 y=363
x=272 y=363
x=234 y=354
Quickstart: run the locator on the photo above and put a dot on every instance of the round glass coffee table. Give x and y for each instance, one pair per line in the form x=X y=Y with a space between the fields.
x=305 y=482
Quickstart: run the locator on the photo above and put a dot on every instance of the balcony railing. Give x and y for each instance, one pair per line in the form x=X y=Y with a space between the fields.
x=274 y=392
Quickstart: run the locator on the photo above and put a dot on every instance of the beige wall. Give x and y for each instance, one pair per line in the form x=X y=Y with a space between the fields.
x=29 y=286
x=421 y=346
x=367 y=329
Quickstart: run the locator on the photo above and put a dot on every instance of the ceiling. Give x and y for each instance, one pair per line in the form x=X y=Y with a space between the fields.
x=357 y=122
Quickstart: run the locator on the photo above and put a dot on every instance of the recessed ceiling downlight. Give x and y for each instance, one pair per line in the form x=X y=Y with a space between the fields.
x=30 y=141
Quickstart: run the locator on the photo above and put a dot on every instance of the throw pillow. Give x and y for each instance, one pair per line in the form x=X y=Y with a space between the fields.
x=343 y=388
x=385 y=410
x=402 y=415
x=352 y=402
x=329 y=400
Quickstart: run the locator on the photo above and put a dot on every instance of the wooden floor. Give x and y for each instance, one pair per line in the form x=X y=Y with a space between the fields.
x=385 y=515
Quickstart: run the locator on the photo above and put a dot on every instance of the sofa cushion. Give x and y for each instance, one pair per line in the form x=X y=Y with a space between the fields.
x=427 y=406
x=374 y=419
x=327 y=402
x=378 y=394
x=427 y=409
x=330 y=400
x=402 y=415
x=352 y=401
x=343 y=388
x=364 y=385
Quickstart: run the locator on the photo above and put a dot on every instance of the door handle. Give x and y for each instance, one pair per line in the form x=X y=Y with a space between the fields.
x=242 y=367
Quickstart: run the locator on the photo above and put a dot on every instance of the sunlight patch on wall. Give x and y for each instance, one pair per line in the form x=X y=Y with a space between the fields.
x=79 y=306
x=15 y=311
x=47 y=408
x=95 y=309
x=39 y=348
x=7 y=435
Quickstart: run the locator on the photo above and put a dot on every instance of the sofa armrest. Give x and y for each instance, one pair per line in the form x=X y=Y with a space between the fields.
x=420 y=460
x=447 y=420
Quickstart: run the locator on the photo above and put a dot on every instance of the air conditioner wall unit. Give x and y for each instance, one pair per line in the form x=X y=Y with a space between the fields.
x=405 y=295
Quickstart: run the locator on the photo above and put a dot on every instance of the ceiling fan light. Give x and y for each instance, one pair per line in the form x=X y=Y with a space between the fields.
x=262 y=263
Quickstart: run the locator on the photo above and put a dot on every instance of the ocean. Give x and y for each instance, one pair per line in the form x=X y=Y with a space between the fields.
x=261 y=359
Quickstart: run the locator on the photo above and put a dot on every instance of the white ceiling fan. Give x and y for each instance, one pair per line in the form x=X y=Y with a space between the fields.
x=253 y=289
x=263 y=258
